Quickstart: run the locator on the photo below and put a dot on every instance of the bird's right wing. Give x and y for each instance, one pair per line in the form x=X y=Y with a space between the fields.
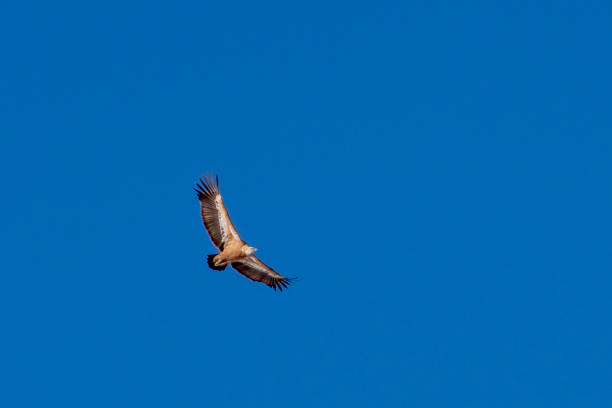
x=214 y=214
x=254 y=269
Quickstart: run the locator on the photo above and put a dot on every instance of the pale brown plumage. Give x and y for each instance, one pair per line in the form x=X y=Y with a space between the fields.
x=233 y=249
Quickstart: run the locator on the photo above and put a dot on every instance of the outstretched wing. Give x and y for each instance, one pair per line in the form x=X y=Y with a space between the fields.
x=254 y=269
x=214 y=214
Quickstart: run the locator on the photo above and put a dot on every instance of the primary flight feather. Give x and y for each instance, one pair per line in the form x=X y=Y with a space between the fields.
x=232 y=249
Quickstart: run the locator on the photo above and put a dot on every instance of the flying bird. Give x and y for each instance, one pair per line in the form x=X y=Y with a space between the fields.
x=232 y=249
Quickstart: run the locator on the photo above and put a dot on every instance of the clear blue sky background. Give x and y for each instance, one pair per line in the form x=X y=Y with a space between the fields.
x=437 y=175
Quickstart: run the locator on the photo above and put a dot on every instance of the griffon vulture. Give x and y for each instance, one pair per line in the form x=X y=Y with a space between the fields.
x=232 y=249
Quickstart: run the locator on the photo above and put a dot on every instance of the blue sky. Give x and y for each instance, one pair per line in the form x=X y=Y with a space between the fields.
x=437 y=175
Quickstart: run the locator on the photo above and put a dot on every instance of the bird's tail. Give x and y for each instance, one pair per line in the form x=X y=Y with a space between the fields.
x=212 y=265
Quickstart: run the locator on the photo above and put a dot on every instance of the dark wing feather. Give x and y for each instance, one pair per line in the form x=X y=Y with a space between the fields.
x=214 y=214
x=254 y=269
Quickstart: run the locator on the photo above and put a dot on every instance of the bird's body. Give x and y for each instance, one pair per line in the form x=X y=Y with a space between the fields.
x=232 y=249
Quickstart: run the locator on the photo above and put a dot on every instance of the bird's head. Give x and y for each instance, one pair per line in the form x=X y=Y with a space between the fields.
x=248 y=250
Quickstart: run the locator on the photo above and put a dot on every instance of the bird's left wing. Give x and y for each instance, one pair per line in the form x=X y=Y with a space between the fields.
x=254 y=269
x=214 y=214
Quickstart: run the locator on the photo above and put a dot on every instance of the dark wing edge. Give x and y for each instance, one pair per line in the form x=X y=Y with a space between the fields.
x=257 y=271
x=207 y=190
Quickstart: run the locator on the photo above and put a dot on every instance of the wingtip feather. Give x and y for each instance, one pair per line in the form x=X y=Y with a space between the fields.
x=208 y=184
